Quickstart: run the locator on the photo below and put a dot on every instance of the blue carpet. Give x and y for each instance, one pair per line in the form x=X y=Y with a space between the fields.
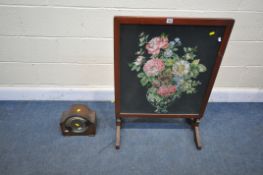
x=31 y=142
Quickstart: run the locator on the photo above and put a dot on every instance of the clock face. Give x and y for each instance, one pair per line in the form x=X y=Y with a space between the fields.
x=77 y=124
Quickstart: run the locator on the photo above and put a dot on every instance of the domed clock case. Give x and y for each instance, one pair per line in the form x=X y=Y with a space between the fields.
x=79 y=120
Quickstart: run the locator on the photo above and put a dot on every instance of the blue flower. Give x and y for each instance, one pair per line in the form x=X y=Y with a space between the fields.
x=177 y=41
x=168 y=53
x=178 y=81
x=171 y=43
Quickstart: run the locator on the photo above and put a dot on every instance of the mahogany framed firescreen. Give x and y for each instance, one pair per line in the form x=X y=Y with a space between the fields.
x=166 y=67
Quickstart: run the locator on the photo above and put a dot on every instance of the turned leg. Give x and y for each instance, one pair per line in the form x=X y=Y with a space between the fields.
x=118 y=133
x=197 y=133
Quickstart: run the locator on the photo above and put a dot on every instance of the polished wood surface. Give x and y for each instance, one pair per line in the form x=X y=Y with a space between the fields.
x=118 y=20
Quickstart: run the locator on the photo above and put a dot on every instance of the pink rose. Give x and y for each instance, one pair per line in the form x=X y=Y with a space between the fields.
x=155 y=44
x=153 y=67
x=164 y=43
x=166 y=91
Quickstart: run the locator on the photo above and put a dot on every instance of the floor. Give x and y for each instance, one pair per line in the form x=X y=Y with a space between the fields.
x=31 y=142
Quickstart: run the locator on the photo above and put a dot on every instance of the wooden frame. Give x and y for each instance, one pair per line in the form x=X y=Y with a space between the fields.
x=195 y=117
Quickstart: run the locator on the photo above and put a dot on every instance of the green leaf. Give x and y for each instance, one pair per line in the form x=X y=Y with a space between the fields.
x=130 y=64
x=202 y=68
x=133 y=67
x=175 y=57
x=146 y=37
x=175 y=49
x=141 y=39
x=140 y=75
x=142 y=34
x=196 y=62
x=189 y=56
x=164 y=35
x=169 y=62
x=141 y=44
x=144 y=81
x=196 y=73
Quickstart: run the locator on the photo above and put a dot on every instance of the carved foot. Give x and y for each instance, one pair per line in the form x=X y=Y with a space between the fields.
x=118 y=134
x=197 y=134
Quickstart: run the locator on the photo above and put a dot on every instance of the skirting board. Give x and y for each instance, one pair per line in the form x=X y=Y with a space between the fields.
x=107 y=94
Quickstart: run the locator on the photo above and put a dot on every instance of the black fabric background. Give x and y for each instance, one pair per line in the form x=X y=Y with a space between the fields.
x=133 y=95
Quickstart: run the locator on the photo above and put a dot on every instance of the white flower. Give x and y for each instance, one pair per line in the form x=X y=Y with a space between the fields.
x=139 y=61
x=181 y=68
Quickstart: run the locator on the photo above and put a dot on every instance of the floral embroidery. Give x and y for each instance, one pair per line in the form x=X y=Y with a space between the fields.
x=166 y=91
x=181 y=68
x=153 y=67
x=139 y=61
x=164 y=72
x=157 y=43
